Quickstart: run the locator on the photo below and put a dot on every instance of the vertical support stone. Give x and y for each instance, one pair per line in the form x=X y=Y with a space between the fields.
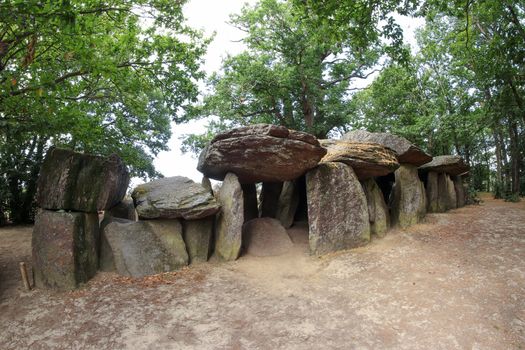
x=228 y=228
x=379 y=216
x=197 y=236
x=64 y=248
x=432 y=191
x=206 y=183
x=337 y=209
x=451 y=193
x=251 y=210
x=288 y=203
x=460 y=191
x=409 y=199
x=270 y=198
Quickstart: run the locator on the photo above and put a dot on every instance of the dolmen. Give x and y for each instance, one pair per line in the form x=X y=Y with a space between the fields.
x=174 y=229
x=349 y=190
x=445 y=187
x=408 y=197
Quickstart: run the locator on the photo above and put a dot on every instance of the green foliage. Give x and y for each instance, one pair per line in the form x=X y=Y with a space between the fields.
x=95 y=76
x=512 y=197
x=301 y=60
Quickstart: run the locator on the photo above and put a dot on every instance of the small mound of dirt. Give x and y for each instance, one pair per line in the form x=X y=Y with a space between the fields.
x=265 y=237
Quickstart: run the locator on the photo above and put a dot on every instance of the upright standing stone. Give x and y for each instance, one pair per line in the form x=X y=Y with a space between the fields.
x=65 y=248
x=251 y=210
x=206 y=183
x=270 y=199
x=460 y=191
x=337 y=209
x=198 y=236
x=443 y=198
x=432 y=191
x=288 y=203
x=451 y=193
x=409 y=199
x=377 y=208
x=228 y=227
x=81 y=182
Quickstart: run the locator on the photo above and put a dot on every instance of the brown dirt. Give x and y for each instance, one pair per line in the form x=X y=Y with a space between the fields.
x=454 y=282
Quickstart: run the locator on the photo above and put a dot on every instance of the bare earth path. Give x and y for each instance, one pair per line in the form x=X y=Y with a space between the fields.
x=455 y=282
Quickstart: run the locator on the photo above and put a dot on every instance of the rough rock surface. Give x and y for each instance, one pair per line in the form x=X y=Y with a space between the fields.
x=265 y=237
x=367 y=159
x=287 y=204
x=377 y=209
x=461 y=197
x=269 y=199
x=337 y=209
x=453 y=165
x=64 y=246
x=405 y=150
x=451 y=193
x=260 y=153
x=172 y=198
x=432 y=192
x=81 y=182
x=142 y=248
x=197 y=236
x=251 y=209
x=206 y=183
x=228 y=226
x=124 y=210
x=409 y=198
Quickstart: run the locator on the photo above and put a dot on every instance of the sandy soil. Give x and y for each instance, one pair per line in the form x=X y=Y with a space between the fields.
x=454 y=282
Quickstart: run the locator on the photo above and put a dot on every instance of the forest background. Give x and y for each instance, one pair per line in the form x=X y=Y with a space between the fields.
x=111 y=76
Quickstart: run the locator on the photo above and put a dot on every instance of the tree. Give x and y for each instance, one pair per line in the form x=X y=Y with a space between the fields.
x=301 y=60
x=99 y=76
x=463 y=92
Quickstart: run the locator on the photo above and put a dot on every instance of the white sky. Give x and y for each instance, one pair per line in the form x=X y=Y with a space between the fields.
x=212 y=16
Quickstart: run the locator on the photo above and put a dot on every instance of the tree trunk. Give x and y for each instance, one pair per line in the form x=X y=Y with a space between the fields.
x=515 y=157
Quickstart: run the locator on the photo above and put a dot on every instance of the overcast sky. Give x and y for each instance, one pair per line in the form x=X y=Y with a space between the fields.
x=212 y=16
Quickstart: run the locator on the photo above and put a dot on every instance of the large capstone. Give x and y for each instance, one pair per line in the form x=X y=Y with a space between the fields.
x=265 y=237
x=377 y=209
x=367 y=159
x=260 y=153
x=198 y=237
x=81 y=182
x=142 y=248
x=64 y=248
x=337 y=209
x=228 y=225
x=405 y=150
x=172 y=198
x=409 y=198
x=452 y=165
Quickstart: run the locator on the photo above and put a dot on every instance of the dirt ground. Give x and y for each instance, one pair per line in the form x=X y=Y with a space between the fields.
x=456 y=281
